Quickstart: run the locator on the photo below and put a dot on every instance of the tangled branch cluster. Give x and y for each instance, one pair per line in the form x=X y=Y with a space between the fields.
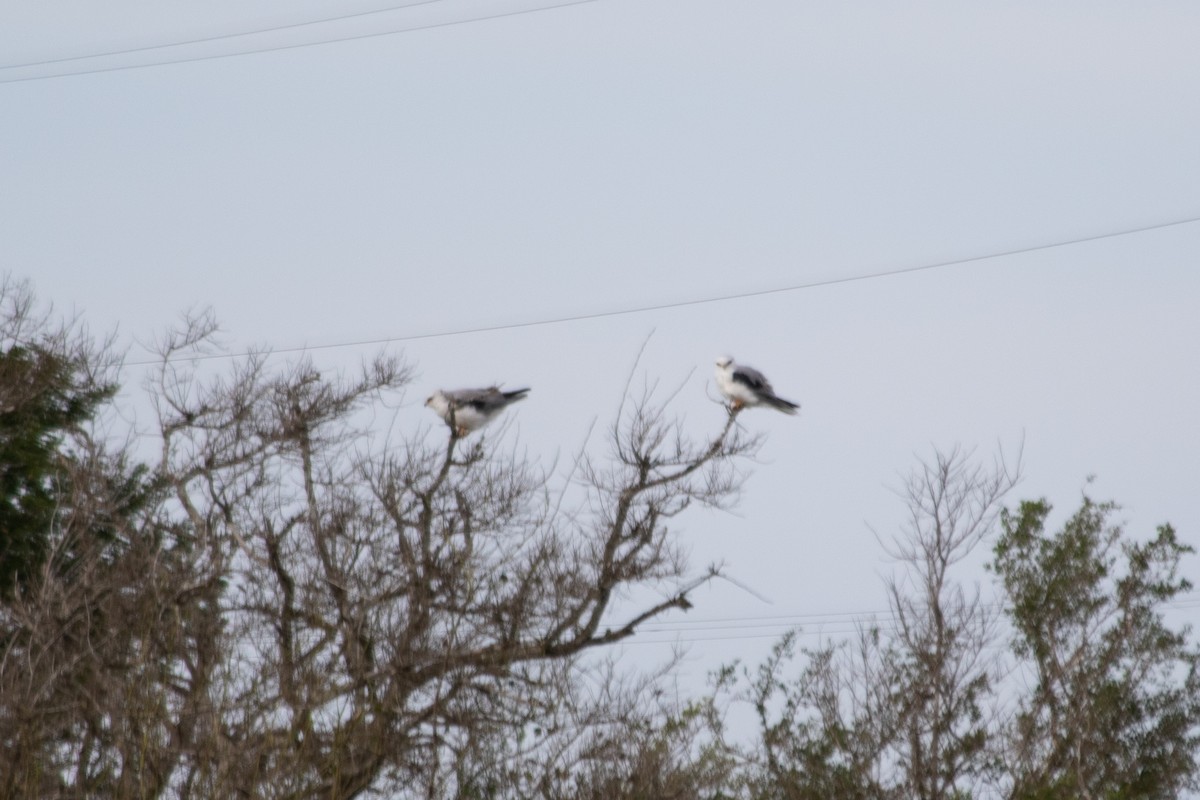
x=281 y=606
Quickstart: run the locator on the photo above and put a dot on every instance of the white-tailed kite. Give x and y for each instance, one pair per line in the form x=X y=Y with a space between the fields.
x=470 y=409
x=746 y=386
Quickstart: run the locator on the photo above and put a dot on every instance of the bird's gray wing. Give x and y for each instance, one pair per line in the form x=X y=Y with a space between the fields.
x=752 y=379
x=485 y=401
x=479 y=399
x=758 y=383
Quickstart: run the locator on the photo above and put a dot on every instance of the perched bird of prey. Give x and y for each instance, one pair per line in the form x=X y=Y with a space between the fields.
x=470 y=409
x=746 y=386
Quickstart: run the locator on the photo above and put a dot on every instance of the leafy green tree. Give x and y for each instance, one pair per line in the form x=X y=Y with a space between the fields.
x=903 y=711
x=825 y=731
x=1114 y=708
x=49 y=389
x=1088 y=692
x=81 y=619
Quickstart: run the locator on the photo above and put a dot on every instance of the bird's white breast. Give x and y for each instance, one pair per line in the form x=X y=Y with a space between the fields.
x=732 y=389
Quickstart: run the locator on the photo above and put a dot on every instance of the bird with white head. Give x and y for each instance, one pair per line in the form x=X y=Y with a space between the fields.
x=745 y=386
x=468 y=410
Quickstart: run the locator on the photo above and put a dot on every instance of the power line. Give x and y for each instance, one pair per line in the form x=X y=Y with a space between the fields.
x=736 y=637
x=279 y=48
x=821 y=621
x=816 y=617
x=826 y=627
x=832 y=629
x=825 y=624
x=688 y=303
x=217 y=37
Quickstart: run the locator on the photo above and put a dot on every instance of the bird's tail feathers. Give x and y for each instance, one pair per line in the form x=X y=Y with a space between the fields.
x=786 y=406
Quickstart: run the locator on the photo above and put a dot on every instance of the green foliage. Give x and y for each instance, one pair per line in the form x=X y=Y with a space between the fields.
x=1097 y=696
x=815 y=741
x=1115 y=707
x=44 y=395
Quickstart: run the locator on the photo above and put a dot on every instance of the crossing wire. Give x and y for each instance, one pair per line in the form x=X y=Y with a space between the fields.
x=217 y=37
x=721 y=298
x=278 y=48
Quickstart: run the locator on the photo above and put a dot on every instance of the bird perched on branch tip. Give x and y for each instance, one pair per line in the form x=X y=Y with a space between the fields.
x=745 y=386
x=470 y=409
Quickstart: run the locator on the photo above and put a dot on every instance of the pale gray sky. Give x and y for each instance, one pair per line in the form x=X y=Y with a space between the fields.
x=621 y=153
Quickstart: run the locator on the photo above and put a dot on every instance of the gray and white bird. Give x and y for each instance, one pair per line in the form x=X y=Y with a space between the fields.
x=470 y=409
x=745 y=386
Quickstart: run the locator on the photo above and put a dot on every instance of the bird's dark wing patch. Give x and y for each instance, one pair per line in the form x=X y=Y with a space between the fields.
x=748 y=376
x=477 y=403
x=486 y=401
x=477 y=399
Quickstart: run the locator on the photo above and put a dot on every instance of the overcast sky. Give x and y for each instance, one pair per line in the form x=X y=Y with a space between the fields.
x=619 y=154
